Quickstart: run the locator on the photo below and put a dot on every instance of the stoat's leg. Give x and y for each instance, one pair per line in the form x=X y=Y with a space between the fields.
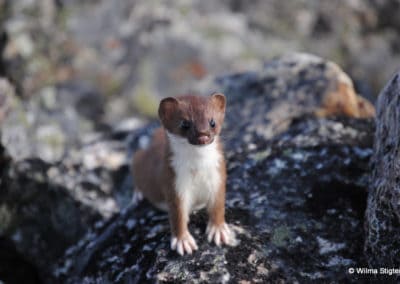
x=217 y=230
x=181 y=239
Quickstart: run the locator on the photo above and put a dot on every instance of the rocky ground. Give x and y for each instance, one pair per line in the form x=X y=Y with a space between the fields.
x=297 y=205
x=292 y=176
x=80 y=85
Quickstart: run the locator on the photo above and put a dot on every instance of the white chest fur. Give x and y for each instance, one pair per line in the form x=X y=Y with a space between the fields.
x=197 y=175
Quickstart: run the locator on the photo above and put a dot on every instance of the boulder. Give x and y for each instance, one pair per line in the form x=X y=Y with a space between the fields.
x=288 y=87
x=47 y=204
x=383 y=213
x=295 y=197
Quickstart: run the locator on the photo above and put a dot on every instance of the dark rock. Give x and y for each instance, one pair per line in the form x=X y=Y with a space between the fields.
x=46 y=207
x=41 y=217
x=88 y=102
x=296 y=200
x=382 y=216
x=386 y=16
x=14 y=268
x=4 y=7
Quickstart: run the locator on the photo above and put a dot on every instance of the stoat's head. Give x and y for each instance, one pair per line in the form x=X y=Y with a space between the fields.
x=196 y=118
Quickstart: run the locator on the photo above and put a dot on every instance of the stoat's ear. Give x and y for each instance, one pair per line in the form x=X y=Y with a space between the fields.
x=167 y=108
x=219 y=101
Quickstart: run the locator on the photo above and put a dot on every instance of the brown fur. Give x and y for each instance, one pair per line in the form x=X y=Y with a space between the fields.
x=216 y=210
x=196 y=109
x=150 y=171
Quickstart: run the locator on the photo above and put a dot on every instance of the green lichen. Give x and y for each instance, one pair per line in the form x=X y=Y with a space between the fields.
x=214 y=33
x=112 y=87
x=303 y=227
x=261 y=155
x=6 y=218
x=281 y=236
x=62 y=17
x=54 y=141
x=287 y=152
x=144 y=99
x=248 y=54
x=184 y=10
x=145 y=102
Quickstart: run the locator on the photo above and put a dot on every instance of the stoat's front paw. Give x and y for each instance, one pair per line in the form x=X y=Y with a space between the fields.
x=185 y=244
x=220 y=234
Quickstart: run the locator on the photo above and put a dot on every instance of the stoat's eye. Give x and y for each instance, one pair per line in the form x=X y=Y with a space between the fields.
x=185 y=124
x=212 y=123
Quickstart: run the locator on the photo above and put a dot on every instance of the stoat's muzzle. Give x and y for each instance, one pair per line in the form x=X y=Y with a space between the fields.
x=201 y=138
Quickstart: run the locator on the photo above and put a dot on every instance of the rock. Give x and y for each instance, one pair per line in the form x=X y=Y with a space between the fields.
x=382 y=216
x=41 y=218
x=51 y=124
x=7 y=94
x=14 y=268
x=292 y=86
x=284 y=198
x=47 y=206
x=296 y=198
x=44 y=208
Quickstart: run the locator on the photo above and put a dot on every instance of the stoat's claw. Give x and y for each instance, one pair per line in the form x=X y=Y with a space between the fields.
x=183 y=245
x=220 y=234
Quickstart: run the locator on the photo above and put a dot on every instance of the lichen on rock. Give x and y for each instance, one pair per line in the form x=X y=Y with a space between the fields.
x=382 y=216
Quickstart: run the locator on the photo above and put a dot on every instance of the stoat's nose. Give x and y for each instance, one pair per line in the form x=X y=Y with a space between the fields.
x=203 y=138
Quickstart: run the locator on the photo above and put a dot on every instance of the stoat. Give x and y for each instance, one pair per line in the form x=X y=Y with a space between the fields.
x=184 y=169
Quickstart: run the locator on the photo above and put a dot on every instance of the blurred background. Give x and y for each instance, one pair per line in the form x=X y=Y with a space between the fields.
x=109 y=60
x=83 y=66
